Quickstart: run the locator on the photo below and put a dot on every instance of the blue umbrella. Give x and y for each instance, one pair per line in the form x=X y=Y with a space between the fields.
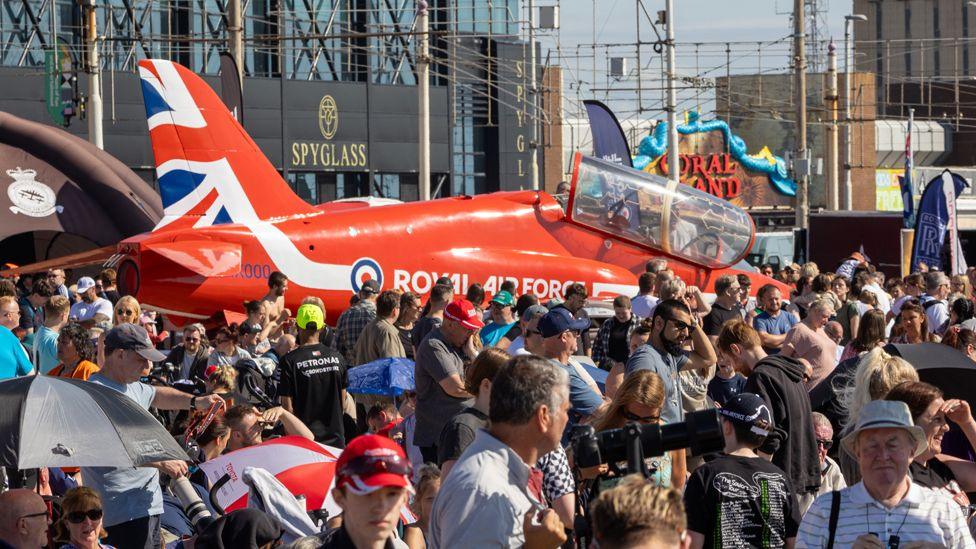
x=386 y=376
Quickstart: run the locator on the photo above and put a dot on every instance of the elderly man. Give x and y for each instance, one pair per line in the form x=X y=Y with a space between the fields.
x=528 y=342
x=13 y=358
x=487 y=500
x=831 y=477
x=885 y=509
x=191 y=355
x=91 y=309
x=23 y=520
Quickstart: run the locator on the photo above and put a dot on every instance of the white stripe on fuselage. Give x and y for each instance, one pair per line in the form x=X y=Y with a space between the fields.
x=230 y=195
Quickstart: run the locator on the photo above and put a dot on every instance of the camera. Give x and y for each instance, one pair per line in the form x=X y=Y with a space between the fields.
x=196 y=511
x=701 y=432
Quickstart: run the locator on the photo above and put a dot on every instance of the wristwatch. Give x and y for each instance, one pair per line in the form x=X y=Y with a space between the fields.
x=193 y=402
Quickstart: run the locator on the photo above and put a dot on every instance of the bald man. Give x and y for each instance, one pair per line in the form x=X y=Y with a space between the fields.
x=23 y=520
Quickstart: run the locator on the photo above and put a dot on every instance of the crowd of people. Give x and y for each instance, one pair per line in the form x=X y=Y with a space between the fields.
x=482 y=450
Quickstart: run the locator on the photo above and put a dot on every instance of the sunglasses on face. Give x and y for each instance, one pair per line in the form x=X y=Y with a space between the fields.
x=191 y=339
x=643 y=419
x=680 y=325
x=124 y=312
x=825 y=443
x=77 y=517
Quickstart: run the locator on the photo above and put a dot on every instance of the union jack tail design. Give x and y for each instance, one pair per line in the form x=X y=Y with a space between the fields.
x=209 y=170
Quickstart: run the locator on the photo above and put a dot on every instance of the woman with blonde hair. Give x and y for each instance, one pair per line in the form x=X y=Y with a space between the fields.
x=81 y=520
x=640 y=399
x=127 y=310
x=877 y=373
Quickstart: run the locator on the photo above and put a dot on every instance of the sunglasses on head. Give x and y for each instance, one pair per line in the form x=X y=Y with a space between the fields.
x=366 y=466
x=634 y=417
x=77 y=517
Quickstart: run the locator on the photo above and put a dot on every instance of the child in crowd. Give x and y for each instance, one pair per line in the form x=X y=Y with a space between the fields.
x=739 y=499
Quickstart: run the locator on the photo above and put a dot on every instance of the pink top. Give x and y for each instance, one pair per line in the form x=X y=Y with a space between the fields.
x=814 y=347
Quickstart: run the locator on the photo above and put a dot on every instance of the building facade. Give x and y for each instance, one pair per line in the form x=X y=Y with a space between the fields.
x=353 y=58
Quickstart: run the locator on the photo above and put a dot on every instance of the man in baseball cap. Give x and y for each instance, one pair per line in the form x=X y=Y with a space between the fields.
x=91 y=309
x=560 y=333
x=309 y=317
x=502 y=320
x=740 y=517
x=131 y=337
x=439 y=369
x=372 y=482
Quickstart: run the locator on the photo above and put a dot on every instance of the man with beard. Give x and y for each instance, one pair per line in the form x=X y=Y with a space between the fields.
x=673 y=324
x=191 y=355
x=91 y=309
x=275 y=298
x=773 y=323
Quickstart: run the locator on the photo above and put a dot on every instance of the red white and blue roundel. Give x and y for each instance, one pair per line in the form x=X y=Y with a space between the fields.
x=364 y=269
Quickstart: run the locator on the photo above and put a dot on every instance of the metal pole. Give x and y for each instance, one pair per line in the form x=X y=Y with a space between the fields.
x=801 y=160
x=848 y=188
x=234 y=36
x=674 y=159
x=832 y=141
x=423 y=98
x=94 y=78
x=534 y=145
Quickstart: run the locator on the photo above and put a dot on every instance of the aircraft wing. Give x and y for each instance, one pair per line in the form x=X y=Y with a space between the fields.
x=81 y=259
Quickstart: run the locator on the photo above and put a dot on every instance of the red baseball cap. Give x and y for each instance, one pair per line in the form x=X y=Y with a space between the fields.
x=372 y=462
x=464 y=312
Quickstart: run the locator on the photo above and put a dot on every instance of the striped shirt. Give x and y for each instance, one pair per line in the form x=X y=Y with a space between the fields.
x=923 y=515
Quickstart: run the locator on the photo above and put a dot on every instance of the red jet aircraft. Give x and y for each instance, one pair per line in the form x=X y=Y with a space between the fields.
x=230 y=220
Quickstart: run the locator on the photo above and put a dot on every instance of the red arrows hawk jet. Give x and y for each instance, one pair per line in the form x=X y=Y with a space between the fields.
x=231 y=220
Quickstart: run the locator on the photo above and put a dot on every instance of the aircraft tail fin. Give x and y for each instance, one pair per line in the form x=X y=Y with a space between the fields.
x=209 y=170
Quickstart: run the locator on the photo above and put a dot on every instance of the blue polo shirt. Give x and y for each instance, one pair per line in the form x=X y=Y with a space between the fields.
x=667 y=366
x=13 y=358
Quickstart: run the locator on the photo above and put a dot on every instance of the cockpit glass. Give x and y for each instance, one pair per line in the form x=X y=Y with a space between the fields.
x=636 y=205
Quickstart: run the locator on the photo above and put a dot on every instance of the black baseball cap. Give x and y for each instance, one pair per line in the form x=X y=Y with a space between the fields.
x=131 y=337
x=371 y=286
x=750 y=410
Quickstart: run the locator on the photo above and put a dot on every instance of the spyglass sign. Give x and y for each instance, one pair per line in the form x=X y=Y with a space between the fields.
x=331 y=151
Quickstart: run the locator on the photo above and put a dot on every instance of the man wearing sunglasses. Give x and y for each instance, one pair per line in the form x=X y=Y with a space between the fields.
x=23 y=520
x=831 y=478
x=663 y=354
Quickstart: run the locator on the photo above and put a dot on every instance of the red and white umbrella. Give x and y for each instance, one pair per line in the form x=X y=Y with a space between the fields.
x=306 y=468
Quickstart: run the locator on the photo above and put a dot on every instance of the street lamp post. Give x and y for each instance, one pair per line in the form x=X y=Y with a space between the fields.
x=848 y=19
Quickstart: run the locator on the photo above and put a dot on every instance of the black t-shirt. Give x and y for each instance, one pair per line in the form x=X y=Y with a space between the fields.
x=423 y=327
x=712 y=323
x=314 y=377
x=721 y=390
x=934 y=474
x=739 y=501
x=458 y=434
x=618 y=344
x=513 y=332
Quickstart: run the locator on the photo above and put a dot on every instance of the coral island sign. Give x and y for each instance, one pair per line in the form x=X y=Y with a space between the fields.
x=715 y=161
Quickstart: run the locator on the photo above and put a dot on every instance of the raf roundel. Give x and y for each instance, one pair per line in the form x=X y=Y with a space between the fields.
x=364 y=269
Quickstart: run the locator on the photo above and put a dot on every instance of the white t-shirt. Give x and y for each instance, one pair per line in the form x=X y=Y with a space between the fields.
x=643 y=305
x=86 y=311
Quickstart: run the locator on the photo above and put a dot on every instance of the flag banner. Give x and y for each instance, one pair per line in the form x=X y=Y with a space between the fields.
x=937 y=217
x=907 y=185
x=231 y=91
x=609 y=142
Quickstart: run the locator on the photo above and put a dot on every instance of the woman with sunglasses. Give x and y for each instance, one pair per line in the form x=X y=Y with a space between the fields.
x=639 y=399
x=81 y=520
x=226 y=352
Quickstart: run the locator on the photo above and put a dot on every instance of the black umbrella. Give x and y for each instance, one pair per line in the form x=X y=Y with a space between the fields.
x=59 y=422
x=941 y=365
